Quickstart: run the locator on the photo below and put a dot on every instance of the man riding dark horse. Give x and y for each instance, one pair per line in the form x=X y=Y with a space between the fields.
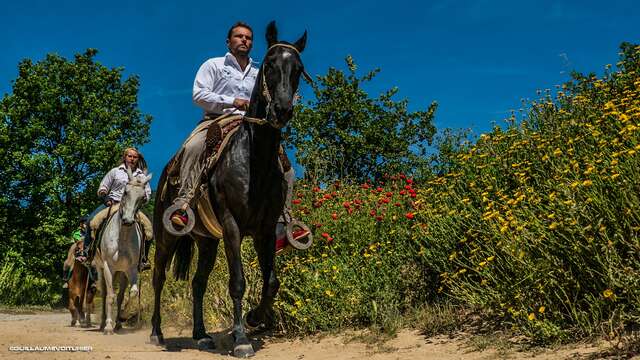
x=246 y=188
x=222 y=86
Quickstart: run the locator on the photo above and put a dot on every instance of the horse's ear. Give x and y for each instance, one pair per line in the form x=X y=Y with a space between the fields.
x=272 y=34
x=302 y=42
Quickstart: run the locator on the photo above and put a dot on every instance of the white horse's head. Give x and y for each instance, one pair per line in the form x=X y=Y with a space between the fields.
x=133 y=197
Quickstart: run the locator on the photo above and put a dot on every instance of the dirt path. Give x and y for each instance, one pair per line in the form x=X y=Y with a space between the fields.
x=52 y=329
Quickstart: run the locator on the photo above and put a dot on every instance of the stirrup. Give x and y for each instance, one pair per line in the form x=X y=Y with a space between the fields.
x=297 y=242
x=168 y=225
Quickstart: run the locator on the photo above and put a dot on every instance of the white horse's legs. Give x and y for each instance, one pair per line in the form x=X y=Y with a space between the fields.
x=108 y=279
x=122 y=287
x=133 y=280
x=103 y=291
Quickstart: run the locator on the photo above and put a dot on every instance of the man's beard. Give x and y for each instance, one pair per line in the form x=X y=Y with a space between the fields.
x=242 y=52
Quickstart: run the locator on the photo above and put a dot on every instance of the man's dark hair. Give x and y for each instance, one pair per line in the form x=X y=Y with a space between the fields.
x=239 y=24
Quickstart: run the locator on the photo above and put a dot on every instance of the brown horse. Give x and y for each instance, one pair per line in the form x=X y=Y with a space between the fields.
x=78 y=289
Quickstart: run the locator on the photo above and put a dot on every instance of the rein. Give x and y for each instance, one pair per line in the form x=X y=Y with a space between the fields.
x=265 y=88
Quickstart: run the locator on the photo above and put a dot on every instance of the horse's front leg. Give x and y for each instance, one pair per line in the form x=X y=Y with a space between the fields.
x=123 y=283
x=103 y=292
x=165 y=248
x=207 y=251
x=265 y=247
x=232 y=241
x=108 y=280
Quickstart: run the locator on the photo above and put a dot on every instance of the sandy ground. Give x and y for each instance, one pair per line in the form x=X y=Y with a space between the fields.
x=52 y=329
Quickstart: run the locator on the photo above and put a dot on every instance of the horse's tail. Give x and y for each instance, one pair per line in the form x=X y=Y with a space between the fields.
x=182 y=252
x=183 y=255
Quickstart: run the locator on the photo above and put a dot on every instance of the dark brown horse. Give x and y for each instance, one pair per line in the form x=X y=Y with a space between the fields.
x=80 y=293
x=247 y=191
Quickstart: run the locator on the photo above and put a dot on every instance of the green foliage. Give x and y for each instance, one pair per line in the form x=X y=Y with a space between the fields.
x=61 y=129
x=343 y=133
x=538 y=223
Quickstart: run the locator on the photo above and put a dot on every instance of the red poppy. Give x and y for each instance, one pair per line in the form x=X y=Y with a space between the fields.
x=379 y=189
x=318 y=225
x=325 y=235
x=372 y=212
x=409 y=215
x=334 y=216
x=296 y=201
x=397 y=204
x=389 y=194
x=409 y=181
x=329 y=240
x=316 y=189
x=402 y=192
x=365 y=186
x=346 y=204
x=379 y=218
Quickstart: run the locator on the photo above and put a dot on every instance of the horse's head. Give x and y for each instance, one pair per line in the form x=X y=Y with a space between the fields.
x=133 y=197
x=281 y=70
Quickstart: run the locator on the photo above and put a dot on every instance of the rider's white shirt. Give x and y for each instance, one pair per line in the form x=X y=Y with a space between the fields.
x=221 y=80
x=116 y=180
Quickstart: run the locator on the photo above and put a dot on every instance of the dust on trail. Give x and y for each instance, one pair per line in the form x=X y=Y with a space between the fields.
x=52 y=329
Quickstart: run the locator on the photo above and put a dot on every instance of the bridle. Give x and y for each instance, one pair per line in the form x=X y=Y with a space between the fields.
x=267 y=94
x=137 y=208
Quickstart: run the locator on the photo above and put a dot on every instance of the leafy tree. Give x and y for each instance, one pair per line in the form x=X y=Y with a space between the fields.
x=344 y=133
x=62 y=127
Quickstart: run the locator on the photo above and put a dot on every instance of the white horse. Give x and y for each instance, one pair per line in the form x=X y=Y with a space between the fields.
x=118 y=256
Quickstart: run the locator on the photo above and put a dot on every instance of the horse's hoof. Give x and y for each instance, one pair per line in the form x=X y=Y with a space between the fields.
x=73 y=323
x=108 y=331
x=85 y=325
x=243 y=351
x=118 y=327
x=157 y=340
x=206 y=343
x=134 y=290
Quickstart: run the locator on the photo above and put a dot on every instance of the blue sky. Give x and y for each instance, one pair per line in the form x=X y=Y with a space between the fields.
x=477 y=59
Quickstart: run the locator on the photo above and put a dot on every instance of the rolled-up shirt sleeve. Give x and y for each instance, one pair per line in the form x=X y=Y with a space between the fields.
x=106 y=182
x=204 y=96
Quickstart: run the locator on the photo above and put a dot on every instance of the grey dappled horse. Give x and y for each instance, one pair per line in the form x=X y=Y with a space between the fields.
x=247 y=192
x=119 y=252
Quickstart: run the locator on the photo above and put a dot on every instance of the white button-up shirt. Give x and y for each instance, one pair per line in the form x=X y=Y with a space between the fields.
x=116 y=180
x=219 y=81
